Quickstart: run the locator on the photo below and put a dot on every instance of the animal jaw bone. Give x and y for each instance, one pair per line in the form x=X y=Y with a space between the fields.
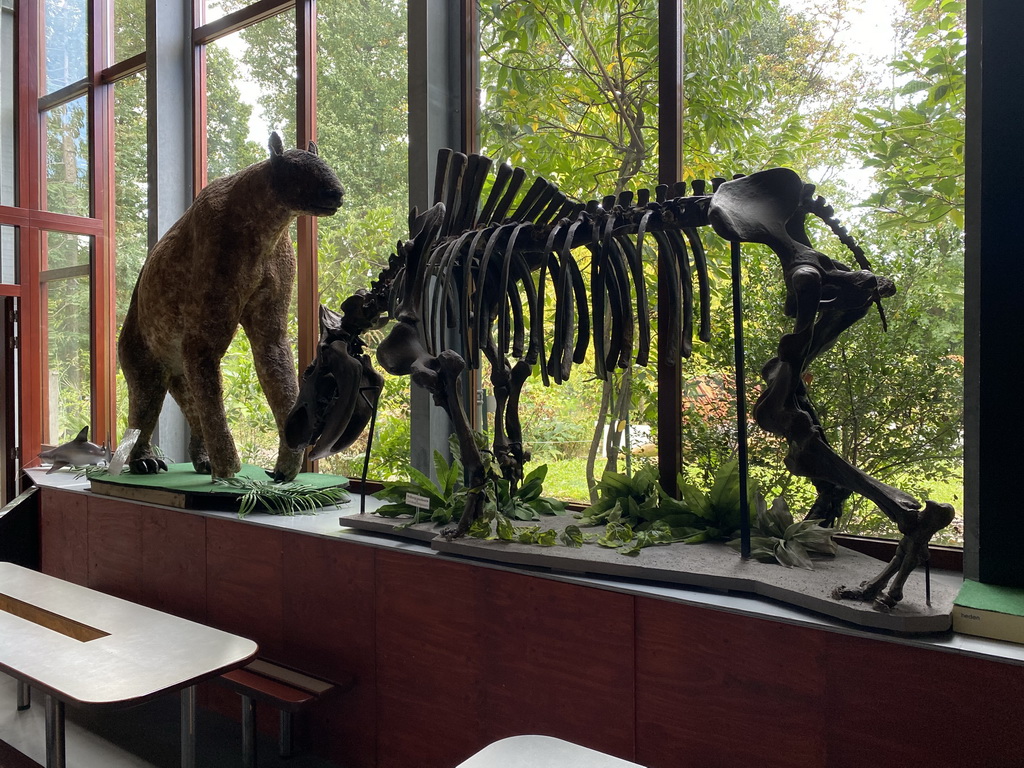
x=228 y=261
x=489 y=274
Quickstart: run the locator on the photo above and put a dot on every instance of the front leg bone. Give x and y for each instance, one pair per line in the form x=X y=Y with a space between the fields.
x=440 y=376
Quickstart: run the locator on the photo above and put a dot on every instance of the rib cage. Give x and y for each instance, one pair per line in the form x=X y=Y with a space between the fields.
x=478 y=264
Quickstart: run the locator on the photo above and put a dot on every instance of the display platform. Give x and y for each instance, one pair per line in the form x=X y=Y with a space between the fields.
x=398 y=527
x=711 y=565
x=182 y=487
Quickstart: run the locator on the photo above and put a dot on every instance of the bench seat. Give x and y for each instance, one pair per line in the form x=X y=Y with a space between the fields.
x=285 y=689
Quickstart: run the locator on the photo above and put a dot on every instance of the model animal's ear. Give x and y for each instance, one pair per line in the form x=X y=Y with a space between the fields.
x=313 y=150
x=276 y=147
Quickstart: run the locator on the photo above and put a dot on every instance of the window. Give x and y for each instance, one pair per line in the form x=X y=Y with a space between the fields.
x=362 y=117
x=64 y=292
x=56 y=196
x=130 y=208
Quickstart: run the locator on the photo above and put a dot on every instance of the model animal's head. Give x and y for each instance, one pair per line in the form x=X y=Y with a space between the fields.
x=303 y=181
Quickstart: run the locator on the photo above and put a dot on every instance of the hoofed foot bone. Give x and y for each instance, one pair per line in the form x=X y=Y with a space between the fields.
x=867 y=591
x=912 y=551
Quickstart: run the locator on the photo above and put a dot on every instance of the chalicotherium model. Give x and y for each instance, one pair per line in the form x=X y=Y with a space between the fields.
x=490 y=270
x=227 y=261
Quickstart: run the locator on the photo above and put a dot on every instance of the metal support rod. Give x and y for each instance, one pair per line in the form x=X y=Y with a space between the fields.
x=927 y=580
x=248 y=732
x=741 y=398
x=284 y=740
x=24 y=695
x=55 y=753
x=369 y=446
x=188 y=727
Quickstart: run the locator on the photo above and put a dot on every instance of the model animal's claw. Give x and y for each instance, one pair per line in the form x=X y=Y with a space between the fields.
x=203 y=466
x=289 y=462
x=279 y=477
x=147 y=465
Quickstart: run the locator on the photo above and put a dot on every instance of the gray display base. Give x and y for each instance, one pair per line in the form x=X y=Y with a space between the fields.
x=394 y=526
x=711 y=565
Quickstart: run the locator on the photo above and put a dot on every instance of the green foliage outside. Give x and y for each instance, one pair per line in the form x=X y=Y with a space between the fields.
x=571 y=93
x=569 y=90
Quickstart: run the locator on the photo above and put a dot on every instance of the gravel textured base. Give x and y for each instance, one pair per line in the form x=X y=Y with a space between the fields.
x=711 y=565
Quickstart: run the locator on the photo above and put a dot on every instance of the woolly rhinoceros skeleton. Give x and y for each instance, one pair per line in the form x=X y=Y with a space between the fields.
x=490 y=271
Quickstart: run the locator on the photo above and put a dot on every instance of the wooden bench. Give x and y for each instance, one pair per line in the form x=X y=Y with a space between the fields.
x=285 y=689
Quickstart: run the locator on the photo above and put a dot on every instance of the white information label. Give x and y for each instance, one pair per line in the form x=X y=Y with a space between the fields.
x=415 y=500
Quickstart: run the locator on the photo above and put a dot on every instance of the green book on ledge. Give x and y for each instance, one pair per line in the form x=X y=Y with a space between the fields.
x=988 y=610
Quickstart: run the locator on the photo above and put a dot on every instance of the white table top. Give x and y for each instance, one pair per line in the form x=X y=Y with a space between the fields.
x=144 y=652
x=541 y=752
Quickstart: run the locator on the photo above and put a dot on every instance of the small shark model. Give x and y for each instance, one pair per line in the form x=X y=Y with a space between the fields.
x=75 y=453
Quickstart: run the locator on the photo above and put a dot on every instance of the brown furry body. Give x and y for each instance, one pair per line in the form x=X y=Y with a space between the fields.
x=228 y=261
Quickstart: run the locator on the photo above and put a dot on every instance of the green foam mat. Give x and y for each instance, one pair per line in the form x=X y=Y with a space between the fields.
x=181 y=486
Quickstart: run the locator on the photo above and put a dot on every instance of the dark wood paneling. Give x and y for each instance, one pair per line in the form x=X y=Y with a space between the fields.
x=449 y=656
x=558 y=658
x=244 y=576
x=897 y=705
x=174 y=562
x=430 y=642
x=115 y=547
x=716 y=689
x=64 y=534
x=329 y=633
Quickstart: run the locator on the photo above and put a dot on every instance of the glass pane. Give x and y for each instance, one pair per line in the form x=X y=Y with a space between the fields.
x=361 y=61
x=216 y=9
x=8 y=254
x=8 y=105
x=569 y=91
x=67 y=158
x=130 y=214
x=873 y=117
x=129 y=28
x=249 y=95
x=66 y=382
x=66 y=43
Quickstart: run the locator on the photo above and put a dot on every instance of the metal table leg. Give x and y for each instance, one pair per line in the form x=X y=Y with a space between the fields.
x=55 y=757
x=24 y=695
x=248 y=732
x=284 y=739
x=188 y=727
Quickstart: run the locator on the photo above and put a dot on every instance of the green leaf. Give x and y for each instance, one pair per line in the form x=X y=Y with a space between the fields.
x=548 y=538
x=792 y=554
x=615 y=535
x=480 y=529
x=572 y=536
x=505 y=530
x=393 y=510
x=725 y=492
